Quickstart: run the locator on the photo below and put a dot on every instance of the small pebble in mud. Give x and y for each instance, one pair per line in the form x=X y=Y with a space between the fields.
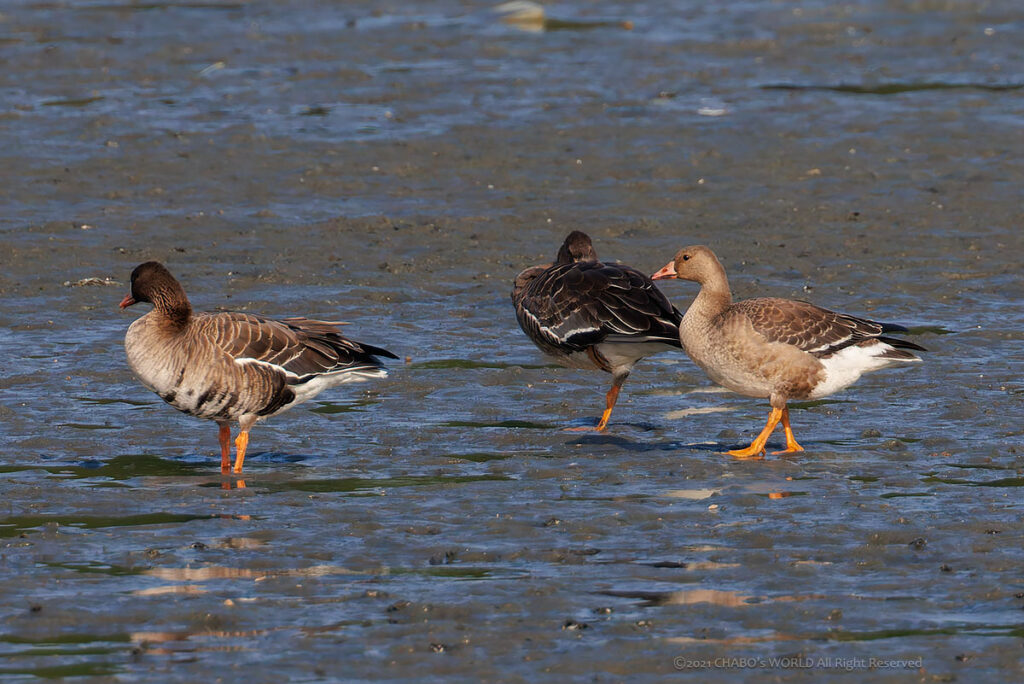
x=963 y=658
x=835 y=615
x=35 y=608
x=603 y=610
x=438 y=648
x=397 y=606
x=152 y=553
x=572 y=625
x=199 y=546
x=945 y=568
x=918 y=543
x=552 y=522
x=870 y=433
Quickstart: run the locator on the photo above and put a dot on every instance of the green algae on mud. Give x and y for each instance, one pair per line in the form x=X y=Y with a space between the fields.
x=19 y=524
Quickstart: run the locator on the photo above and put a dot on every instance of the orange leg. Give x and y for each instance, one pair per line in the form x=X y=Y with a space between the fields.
x=791 y=444
x=756 y=449
x=609 y=401
x=241 y=442
x=224 y=436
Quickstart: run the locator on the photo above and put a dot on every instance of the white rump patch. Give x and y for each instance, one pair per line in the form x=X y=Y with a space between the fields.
x=843 y=368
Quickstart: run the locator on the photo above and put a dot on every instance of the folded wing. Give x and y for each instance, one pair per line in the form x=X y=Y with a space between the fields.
x=302 y=348
x=812 y=329
x=573 y=306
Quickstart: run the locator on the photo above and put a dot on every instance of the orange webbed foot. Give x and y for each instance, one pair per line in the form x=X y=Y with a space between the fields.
x=752 y=451
x=224 y=437
x=756 y=449
x=241 y=442
x=585 y=428
x=791 y=443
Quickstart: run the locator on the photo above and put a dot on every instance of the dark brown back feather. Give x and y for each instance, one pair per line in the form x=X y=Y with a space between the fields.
x=812 y=329
x=569 y=307
x=301 y=346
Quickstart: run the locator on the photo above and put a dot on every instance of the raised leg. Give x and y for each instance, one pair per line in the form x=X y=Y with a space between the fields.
x=224 y=436
x=241 y=442
x=791 y=444
x=756 y=448
x=609 y=402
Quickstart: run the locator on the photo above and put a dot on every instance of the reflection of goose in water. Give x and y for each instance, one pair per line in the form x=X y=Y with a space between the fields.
x=530 y=16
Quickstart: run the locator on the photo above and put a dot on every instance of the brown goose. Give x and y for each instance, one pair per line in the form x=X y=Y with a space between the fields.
x=589 y=314
x=781 y=349
x=234 y=366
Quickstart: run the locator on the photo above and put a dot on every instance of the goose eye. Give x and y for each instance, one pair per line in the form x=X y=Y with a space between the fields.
x=686 y=257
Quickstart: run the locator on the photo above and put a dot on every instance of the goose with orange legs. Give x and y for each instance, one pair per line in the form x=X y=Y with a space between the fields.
x=779 y=349
x=592 y=314
x=235 y=367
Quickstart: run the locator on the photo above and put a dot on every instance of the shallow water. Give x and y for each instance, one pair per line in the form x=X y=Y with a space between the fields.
x=394 y=166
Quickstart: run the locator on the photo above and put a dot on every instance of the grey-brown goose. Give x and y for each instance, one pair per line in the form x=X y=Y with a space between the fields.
x=585 y=313
x=780 y=349
x=234 y=366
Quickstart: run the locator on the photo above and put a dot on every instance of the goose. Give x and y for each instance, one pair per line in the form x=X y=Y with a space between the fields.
x=779 y=349
x=589 y=314
x=235 y=367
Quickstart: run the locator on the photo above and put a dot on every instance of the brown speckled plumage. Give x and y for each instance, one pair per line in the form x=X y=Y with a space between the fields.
x=780 y=349
x=233 y=366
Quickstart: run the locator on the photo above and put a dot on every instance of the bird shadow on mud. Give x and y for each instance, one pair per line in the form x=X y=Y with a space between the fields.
x=716 y=448
x=638 y=446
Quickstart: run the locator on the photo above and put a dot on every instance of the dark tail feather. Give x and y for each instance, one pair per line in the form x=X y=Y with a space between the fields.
x=900 y=344
x=376 y=351
x=892 y=327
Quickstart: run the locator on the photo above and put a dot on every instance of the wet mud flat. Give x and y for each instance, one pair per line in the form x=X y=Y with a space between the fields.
x=395 y=167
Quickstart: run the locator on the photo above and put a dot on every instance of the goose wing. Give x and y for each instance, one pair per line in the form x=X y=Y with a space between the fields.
x=574 y=306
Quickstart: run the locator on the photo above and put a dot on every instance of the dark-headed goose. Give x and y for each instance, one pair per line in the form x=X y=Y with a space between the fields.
x=590 y=314
x=235 y=366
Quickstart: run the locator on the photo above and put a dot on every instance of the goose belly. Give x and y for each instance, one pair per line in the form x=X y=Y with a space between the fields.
x=738 y=380
x=623 y=355
x=191 y=387
x=580 y=360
